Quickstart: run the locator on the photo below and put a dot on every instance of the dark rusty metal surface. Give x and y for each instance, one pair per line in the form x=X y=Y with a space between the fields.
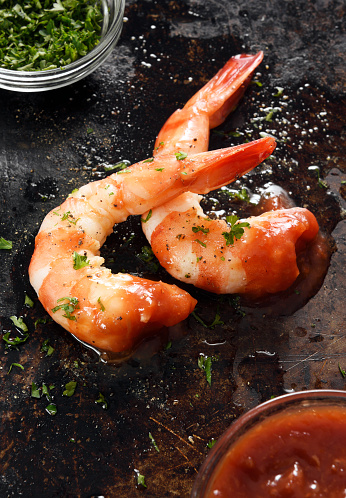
x=53 y=142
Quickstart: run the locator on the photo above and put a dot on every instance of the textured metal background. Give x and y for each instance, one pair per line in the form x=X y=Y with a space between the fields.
x=53 y=142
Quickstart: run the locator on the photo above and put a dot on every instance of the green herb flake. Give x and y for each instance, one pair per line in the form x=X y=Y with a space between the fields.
x=159 y=169
x=35 y=392
x=46 y=348
x=204 y=363
x=257 y=83
x=180 y=155
x=200 y=229
x=69 y=307
x=101 y=400
x=101 y=305
x=13 y=342
x=70 y=388
x=15 y=365
x=90 y=130
x=147 y=217
x=237 y=229
x=38 y=36
x=149 y=160
x=28 y=301
x=5 y=244
x=214 y=323
x=79 y=261
x=211 y=443
x=141 y=480
x=343 y=372
x=51 y=409
x=19 y=323
x=154 y=442
x=279 y=92
x=118 y=166
x=200 y=243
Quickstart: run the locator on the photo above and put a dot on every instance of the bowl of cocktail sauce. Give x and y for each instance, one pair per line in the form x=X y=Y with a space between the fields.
x=291 y=446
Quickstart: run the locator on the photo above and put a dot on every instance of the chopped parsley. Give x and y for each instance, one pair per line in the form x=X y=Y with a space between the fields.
x=15 y=365
x=149 y=160
x=19 y=323
x=180 y=155
x=159 y=169
x=5 y=244
x=46 y=34
x=35 y=392
x=237 y=229
x=241 y=194
x=154 y=442
x=69 y=307
x=101 y=400
x=215 y=322
x=211 y=443
x=118 y=166
x=51 y=409
x=201 y=243
x=28 y=301
x=79 y=261
x=46 y=348
x=13 y=342
x=141 y=480
x=279 y=92
x=101 y=305
x=148 y=217
x=70 y=388
x=204 y=363
x=200 y=229
x=343 y=372
x=68 y=216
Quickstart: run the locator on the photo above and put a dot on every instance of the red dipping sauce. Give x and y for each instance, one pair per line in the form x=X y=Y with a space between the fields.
x=292 y=446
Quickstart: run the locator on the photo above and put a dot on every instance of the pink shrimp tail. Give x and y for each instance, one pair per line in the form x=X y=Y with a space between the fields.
x=223 y=92
x=220 y=167
x=188 y=128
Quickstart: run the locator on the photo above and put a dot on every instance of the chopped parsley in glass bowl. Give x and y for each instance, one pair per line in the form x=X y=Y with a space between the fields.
x=47 y=44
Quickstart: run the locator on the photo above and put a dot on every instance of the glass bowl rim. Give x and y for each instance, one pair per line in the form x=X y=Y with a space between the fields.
x=224 y=442
x=83 y=65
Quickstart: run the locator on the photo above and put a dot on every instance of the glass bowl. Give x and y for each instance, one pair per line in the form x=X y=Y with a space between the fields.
x=246 y=431
x=37 y=81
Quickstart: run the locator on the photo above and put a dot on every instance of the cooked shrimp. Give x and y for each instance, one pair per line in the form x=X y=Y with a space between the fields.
x=199 y=251
x=207 y=254
x=187 y=129
x=115 y=312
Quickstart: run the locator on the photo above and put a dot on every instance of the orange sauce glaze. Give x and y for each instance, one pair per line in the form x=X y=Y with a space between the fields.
x=298 y=454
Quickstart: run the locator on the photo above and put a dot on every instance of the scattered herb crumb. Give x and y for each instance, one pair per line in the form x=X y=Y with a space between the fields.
x=19 y=323
x=154 y=442
x=343 y=372
x=15 y=365
x=101 y=400
x=5 y=244
x=70 y=388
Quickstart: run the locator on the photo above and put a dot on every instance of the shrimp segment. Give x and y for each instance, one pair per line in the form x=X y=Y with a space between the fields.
x=115 y=312
x=192 y=248
x=196 y=250
x=187 y=129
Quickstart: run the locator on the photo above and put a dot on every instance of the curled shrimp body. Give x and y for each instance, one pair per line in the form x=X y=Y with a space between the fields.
x=200 y=251
x=115 y=312
x=197 y=250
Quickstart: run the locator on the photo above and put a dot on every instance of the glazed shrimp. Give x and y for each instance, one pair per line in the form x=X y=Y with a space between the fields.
x=115 y=312
x=187 y=129
x=199 y=251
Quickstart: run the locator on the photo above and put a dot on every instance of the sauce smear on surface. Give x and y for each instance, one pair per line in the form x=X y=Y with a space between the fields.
x=300 y=453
